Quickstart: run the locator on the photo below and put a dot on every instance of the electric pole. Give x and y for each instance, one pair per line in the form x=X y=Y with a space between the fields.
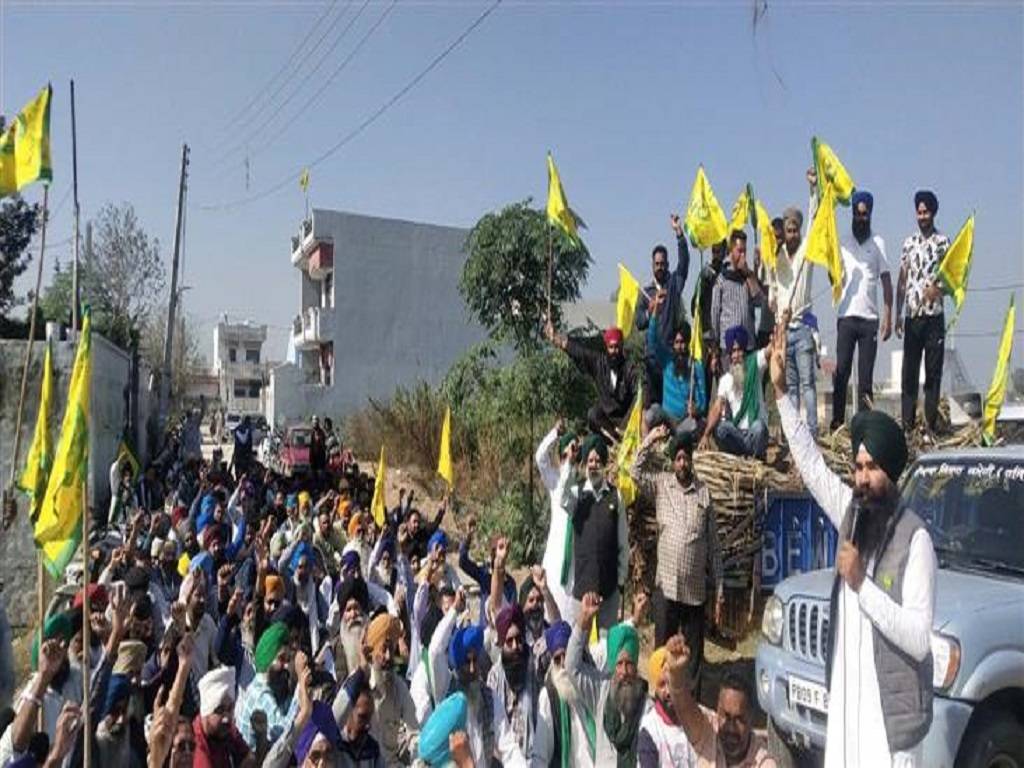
x=75 y=279
x=165 y=377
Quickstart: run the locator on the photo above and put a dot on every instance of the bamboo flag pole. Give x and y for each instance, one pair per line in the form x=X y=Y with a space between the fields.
x=8 y=516
x=86 y=629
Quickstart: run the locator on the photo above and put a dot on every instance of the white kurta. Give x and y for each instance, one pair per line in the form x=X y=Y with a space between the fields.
x=553 y=477
x=855 y=734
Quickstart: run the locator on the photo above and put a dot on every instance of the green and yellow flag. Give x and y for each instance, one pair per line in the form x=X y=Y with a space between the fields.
x=628 y=447
x=743 y=209
x=444 y=454
x=625 y=304
x=705 y=222
x=25 y=146
x=559 y=212
x=831 y=172
x=40 y=455
x=956 y=265
x=58 y=529
x=304 y=180
x=997 y=389
x=696 y=340
x=823 y=243
x=125 y=453
x=769 y=245
x=377 y=505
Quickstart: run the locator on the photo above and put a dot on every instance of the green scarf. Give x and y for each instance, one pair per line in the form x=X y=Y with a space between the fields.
x=750 y=405
x=622 y=728
x=565 y=733
x=566 y=553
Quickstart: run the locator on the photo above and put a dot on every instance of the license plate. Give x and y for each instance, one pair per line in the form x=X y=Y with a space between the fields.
x=808 y=694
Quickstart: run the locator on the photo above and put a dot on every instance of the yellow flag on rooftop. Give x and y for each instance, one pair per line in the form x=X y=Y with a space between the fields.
x=25 y=146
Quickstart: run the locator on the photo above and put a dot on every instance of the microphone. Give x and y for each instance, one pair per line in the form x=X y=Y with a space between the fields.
x=856 y=510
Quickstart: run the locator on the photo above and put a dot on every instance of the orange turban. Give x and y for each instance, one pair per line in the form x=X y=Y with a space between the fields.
x=655 y=666
x=273 y=586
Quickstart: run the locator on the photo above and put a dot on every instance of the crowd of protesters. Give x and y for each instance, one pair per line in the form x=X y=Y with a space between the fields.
x=240 y=617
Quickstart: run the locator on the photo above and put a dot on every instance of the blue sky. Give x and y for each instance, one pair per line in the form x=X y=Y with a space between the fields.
x=629 y=96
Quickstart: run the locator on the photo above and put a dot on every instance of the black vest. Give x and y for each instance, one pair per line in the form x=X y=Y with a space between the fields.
x=595 y=543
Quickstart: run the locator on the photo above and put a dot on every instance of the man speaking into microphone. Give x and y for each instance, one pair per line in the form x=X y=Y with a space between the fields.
x=879 y=664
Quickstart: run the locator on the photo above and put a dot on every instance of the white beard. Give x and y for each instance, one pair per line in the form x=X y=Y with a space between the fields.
x=351 y=643
x=563 y=683
x=384 y=574
x=739 y=377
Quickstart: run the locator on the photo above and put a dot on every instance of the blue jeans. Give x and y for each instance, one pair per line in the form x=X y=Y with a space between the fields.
x=800 y=364
x=742 y=442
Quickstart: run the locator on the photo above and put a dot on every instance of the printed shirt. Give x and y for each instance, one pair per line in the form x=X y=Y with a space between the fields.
x=258 y=697
x=921 y=257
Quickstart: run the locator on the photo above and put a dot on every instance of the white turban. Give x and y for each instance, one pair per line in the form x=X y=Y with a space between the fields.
x=155 y=547
x=216 y=687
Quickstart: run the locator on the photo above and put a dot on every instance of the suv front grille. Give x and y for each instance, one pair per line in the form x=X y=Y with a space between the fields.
x=806 y=632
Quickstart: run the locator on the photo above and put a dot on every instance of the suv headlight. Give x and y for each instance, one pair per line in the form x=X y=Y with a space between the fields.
x=945 y=660
x=772 y=620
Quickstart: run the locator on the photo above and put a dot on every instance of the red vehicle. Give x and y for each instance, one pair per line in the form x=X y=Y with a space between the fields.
x=295 y=450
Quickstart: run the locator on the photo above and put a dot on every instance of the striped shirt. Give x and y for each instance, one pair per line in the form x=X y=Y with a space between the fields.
x=689 y=552
x=732 y=304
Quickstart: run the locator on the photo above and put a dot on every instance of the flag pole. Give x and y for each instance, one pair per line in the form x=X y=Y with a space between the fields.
x=9 y=506
x=86 y=629
x=693 y=363
x=551 y=269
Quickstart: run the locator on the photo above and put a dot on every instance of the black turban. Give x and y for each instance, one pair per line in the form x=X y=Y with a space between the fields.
x=353 y=588
x=926 y=196
x=683 y=440
x=883 y=438
x=595 y=443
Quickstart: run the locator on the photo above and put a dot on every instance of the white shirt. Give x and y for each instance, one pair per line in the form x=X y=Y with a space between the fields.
x=543 y=748
x=794 y=278
x=728 y=391
x=863 y=266
x=855 y=723
x=554 y=478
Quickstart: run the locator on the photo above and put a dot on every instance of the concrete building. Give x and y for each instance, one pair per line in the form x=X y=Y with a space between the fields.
x=378 y=307
x=239 y=365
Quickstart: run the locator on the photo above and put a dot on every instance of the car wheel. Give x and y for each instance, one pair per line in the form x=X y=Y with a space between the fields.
x=995 y=741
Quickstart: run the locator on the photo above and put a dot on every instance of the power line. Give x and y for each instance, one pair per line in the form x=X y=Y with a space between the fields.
x=367 y=122
x=234 y=119
x=256 y=132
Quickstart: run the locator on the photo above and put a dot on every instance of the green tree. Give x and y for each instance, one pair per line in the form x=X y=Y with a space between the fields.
x=122 y=279
x=18 y=224
x=504 y=280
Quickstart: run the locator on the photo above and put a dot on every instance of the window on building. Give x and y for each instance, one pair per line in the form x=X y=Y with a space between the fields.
x=232 y=354
x=327 y=299
x=255 y=387
x=327 y=364
x=240 y=388
x=252 y=355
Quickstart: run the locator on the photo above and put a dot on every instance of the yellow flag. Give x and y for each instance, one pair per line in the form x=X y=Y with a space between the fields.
x=124 y=453
x=831 y=172
x=997 y=389
x=823 y=243
x=956 y=264
x=741 y=210
x=625 y=305
x=25 y=146
x=769 y=245
x=377 y=505
x=58 y=529
x=444 y=454
x=559 y=212
x=40 y=455
x=697 y=334
x=304 y=180
x=628 y=447
x=705 y=222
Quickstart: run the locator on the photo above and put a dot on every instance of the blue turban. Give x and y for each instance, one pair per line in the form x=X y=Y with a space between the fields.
x=291 y=501
x=118 y=689
x=387 y=544
x=439 y=539
x=302 y=549
x=863 y=196
x=205 y=517
x=350 y=560
x=736 y=335
x=321 y=721
x=449 y=717
x=556 y=637
x=463 y=641
x=203 y=560
x=926 y=196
